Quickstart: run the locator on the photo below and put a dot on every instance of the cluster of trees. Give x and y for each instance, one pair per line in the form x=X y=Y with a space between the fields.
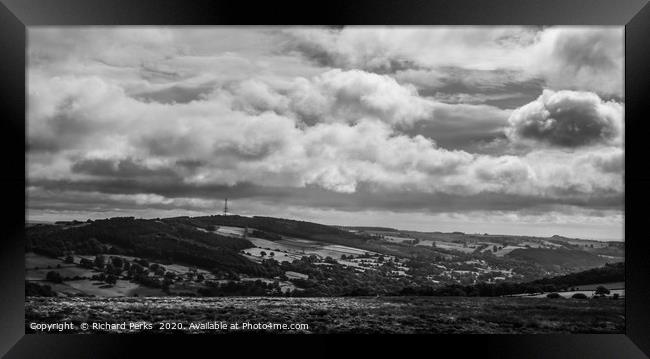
x=37 y=290
x=265 y=235
x=557 y=259
x=610 y=272
x=54 y=277
x=598 y=293
x=171 y=240
x=270 y=225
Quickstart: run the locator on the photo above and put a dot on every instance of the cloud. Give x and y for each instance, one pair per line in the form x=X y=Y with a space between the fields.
x=170 y=120
x=123 y=168
x=113 y=135
x=578 y=58
x=353 y=95
x=581 y=58
x=384 y=49
x=568 y=119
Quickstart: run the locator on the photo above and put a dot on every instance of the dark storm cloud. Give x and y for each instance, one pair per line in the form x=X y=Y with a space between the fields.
x=568 y=119
x=462 y=126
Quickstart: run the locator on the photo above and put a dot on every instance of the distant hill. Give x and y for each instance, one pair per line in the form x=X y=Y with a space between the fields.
x=378 y=229
x=432 y=257
x=285 y=227
x=167 y=241
x=608 y=273
x=558 y=257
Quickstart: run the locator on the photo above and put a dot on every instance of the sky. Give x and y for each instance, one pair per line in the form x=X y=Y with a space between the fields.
x=503 y=130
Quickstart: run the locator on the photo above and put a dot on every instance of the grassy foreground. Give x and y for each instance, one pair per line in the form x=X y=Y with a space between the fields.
x=337 y=315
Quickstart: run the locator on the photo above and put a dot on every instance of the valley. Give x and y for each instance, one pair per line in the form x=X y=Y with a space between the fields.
x=237 y=255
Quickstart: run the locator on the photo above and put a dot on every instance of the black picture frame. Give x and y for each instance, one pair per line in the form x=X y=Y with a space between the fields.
x=16 y=15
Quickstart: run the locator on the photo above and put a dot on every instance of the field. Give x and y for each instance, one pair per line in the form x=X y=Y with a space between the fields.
x=588 y=293
x=343 y=315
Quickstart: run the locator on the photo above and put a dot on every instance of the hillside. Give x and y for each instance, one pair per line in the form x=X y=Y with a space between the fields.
x=166 y=241
x=550 y=258
x=609 y=273
x=237 y=255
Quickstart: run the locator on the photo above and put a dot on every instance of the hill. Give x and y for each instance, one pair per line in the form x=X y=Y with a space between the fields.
x=166 y=241
x=608 y=273
x=239 y=255
x=549 y=258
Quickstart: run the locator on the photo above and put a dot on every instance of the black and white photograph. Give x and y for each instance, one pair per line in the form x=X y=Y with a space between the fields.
x=325 y=179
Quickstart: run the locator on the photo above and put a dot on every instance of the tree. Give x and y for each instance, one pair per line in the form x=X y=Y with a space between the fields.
x=262 y=253
x=99 y=261
x=54 y=277
x=553 y=295
x=600 y=291
x=111 y=279
x=37 y=290
x=579 y=296
x=69 y=259
x=136 y=269
x=86 y=263
x=166 y=283
x=117 y=262
x=110 y=269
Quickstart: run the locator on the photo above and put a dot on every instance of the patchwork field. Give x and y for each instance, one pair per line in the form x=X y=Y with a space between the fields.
x=343 y=315
x=294 y=248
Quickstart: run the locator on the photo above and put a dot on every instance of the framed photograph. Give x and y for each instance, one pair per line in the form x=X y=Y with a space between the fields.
x=440 y=176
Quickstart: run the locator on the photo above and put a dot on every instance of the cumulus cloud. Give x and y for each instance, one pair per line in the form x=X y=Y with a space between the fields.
x=568 y=119
x=367 y=127
x=267 y=148
x=352 y=95
x=127 y=138
x=578 y=58
x=385 y=49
